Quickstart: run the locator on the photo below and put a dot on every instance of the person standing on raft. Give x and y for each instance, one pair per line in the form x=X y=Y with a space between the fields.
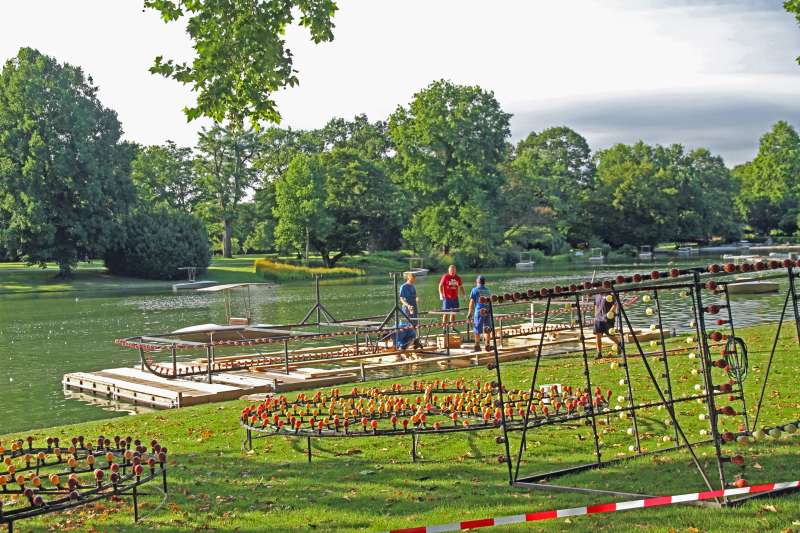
x=410 y=307
x=481 y=320
x=605 y=311
x=449 y=286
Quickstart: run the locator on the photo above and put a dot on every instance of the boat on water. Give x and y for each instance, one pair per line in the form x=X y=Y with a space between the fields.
x=526 y=262
x=597 y=256
x=753 y=286
x=415 y=266
x=238 y=315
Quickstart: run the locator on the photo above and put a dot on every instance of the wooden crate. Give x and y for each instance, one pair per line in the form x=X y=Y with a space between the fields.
x=455 y=341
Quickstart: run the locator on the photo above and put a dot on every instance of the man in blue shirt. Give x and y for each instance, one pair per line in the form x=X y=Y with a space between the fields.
x=409 y=305
x=482 y=323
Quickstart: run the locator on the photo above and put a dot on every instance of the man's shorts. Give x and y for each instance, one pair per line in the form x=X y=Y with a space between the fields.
x=602 y=327
x=450 y=303
x=482 y=324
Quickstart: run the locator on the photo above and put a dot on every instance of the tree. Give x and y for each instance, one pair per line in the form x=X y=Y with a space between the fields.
x=449 y=143
x=299 y=204
x=241 y=55
x=165 y=176
x=277 y=148
x=650 y=194
x=360 y=200
x=226 y=172
x=370 y=139
x=262 y=236
x=335 y=203
x=64 y=174
x=770 y=184
x=553 y=174
x=157 y=243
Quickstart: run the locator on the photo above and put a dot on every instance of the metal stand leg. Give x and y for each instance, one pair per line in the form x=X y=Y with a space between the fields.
x=500 y=394
x=531 y=391
x=586 y=373
x=710 y=399
x=308 y=439
x=135 y=505
x=414 y=447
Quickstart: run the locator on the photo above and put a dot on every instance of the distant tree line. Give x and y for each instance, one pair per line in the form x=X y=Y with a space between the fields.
x=440 y=175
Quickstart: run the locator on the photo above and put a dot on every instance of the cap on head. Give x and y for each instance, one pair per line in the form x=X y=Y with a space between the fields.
x=481 y=279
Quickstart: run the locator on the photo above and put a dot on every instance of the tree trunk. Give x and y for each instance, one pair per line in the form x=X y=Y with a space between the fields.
x=326 y=258
x=308 y=244
x=227 y=233
x=64 y=270
x=333 y=260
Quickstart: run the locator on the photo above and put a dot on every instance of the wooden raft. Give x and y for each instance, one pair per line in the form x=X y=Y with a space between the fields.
x=140 y=387
x=137 y=387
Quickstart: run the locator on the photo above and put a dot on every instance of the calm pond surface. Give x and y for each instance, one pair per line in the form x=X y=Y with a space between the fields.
x=44 y=335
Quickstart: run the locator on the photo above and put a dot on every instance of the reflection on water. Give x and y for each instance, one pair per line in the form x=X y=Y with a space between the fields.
x=43 y=336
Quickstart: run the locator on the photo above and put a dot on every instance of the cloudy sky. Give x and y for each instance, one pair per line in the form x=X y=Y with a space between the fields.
x=703 y=73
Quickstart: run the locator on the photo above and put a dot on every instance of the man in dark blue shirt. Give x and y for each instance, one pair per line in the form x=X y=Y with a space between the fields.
x=409 y=305
x=480 y=319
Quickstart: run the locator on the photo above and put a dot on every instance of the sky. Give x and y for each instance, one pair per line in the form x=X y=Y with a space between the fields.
x=712 y=73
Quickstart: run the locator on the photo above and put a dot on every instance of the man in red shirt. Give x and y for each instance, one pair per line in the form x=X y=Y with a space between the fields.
x=449 y=287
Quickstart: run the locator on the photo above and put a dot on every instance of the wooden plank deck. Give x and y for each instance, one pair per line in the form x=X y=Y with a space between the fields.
x=142 y=388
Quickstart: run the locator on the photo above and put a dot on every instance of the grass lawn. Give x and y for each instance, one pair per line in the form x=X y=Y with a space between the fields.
x=371 y=484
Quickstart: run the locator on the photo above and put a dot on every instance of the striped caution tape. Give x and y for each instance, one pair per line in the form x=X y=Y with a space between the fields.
x=601 y=508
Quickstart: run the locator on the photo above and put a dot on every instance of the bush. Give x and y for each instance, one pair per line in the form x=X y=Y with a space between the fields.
x=274 y=271
x=157 y=243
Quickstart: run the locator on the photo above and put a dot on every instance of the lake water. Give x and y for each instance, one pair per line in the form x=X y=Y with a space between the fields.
x=44 y=335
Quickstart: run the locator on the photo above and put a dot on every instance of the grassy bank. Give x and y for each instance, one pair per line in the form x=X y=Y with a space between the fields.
x=20 y=278
x=371 y=484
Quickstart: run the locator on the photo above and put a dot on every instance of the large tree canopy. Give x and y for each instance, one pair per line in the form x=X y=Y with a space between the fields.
x=770 y=183
x=241 y=55
x=165 y=176
x=549 y=181
x=337 y=203
x=649 y=194
x=64 y=175
x=449 y=142
x=227 y=173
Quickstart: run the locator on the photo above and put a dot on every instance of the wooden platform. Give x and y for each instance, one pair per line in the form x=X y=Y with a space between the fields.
x=137 y=387
x=141 y=388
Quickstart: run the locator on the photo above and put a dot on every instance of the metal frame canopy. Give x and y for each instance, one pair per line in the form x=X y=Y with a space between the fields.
x=246 y=300
x=721 y=389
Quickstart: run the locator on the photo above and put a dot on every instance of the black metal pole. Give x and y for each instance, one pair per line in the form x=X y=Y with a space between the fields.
x=593 y=417
x=208 y=361
x=308 y=439
x=319 y=303
x=500 y=394
x=710 y=399
x=135 y=504
x=793 y=291
x=532 y=389
x=632 y=411
x=174 y=361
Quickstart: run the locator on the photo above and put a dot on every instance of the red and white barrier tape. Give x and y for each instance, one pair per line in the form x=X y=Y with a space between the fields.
x=594 y=509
